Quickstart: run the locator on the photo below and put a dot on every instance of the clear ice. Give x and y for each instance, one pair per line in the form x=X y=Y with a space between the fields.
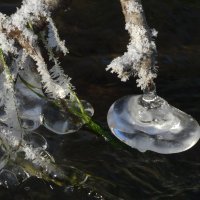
x=63 y=122
x=35 y=111
x=152 y=124
x=29 y=106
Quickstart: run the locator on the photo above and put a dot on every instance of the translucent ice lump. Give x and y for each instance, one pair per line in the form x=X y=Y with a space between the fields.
x=63 y=122
x=35 y=111
x=152 y=124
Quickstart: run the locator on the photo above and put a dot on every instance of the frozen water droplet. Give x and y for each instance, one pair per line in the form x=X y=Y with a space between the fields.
x=58 y=121
x=8 y=179
x=35 y=140
x=63 y=122
x=153 y=125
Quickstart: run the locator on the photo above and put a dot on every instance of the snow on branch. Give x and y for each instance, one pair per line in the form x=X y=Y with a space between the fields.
x=139 y=60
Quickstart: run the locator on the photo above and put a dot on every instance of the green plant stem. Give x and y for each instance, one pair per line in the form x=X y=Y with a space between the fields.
x=96 y=128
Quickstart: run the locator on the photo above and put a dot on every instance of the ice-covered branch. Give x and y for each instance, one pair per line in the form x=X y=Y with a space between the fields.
x=139 y=60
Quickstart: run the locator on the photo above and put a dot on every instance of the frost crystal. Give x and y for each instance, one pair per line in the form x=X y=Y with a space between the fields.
x=53 y=38
x=138 y=59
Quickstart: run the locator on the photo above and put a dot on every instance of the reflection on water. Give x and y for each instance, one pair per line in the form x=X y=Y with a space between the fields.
x=94 y=39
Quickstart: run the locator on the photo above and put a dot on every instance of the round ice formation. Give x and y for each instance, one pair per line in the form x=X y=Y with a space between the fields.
x=63 y=122
x=152 y=124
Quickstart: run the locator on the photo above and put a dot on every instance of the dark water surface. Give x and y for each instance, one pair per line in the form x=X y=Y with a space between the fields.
x=94 y=33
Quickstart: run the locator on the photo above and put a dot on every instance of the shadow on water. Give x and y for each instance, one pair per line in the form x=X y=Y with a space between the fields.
x=94 y=33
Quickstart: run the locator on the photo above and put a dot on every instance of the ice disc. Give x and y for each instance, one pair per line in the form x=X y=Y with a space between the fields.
x=155 y=126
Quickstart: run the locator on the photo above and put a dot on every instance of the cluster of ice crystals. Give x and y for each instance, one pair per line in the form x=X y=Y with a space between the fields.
x=8 y=136
x=7 y=45
x=56 y=72
x=140 y=48
x=52 y=88
x=53 y=38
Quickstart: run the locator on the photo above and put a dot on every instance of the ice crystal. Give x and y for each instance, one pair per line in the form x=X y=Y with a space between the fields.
x=53 y=38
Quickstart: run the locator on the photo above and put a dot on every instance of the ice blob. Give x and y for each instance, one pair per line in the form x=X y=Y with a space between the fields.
x=152 y=124
x=64 y=122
